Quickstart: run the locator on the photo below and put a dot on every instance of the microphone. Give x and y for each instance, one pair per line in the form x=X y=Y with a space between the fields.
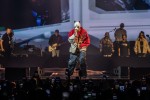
x=113 y=30
x=147 y=35
x=76 y=32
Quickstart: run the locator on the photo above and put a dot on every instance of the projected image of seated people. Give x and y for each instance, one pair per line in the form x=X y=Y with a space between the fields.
x=120 y=5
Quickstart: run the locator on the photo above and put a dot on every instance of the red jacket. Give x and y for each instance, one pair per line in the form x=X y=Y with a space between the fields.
x=83 y=35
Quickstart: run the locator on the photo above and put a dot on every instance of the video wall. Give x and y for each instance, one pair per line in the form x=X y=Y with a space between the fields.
x=119 y=9
x=122 y=5
x=19 y=14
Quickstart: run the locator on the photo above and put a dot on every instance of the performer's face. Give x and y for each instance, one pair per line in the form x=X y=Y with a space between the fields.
x=124 y=37
x=56 y=33
x=77 y=26
x=121 y=26
x=141 y=35
x=106 y=37
x=8 y=31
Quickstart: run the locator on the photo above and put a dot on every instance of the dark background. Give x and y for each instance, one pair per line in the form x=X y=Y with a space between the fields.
x=19 y=13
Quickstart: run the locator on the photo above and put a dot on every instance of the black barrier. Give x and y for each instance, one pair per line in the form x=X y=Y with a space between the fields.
x=15 y=73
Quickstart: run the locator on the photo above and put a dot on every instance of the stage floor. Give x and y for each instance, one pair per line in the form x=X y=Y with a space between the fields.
x=95 y=62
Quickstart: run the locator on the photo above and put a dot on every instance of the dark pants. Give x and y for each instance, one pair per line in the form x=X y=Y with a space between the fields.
x=7 y=53
x=76 y=59
x=116 y=46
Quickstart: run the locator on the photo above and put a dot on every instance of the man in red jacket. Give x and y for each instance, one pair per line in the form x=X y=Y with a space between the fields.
x=79 y=40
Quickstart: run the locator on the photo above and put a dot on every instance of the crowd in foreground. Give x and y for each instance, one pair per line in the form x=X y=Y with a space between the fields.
x=75 y=89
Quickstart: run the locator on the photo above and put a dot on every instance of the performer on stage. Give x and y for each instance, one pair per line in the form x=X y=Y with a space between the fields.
x=54 y=43
x=119 y=32
x=7 y=43
x=124 y=47
x=106 y=46
x=79 y=40
x=118 y=37
x=141 y=45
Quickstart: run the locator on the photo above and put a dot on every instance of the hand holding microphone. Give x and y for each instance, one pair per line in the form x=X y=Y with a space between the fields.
x=76 y=32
